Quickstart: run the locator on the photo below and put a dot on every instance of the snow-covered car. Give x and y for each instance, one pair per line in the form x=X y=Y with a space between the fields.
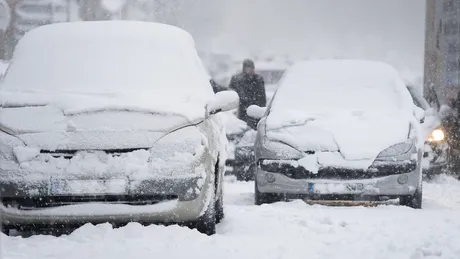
x=436 y=147
x=110 y=122
x=353 y=135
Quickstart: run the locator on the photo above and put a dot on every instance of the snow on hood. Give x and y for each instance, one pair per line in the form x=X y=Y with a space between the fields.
x=356 y=107
x=49 y=128
x=355 y=137
x=50 y=118
x=115 y=64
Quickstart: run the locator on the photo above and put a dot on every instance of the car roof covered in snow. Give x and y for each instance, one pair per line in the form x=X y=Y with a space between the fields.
x=127 y=63
x=342 y=85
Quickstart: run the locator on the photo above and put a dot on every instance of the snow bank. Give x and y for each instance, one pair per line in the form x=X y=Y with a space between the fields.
x=117 y=64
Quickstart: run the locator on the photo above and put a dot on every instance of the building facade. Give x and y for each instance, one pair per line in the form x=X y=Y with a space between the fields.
x=442 y=51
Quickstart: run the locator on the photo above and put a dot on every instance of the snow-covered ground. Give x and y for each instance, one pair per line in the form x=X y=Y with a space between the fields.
x=282 y=230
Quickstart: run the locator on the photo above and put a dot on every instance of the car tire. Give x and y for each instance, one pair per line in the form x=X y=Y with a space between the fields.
x=266 y=198
x=219 y=207
x=412 y=201
x=206 y=224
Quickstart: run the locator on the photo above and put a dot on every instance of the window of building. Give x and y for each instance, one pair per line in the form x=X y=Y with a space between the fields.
x=450 y=5
x=453 y=66
x=453 y=47
x=451 y=27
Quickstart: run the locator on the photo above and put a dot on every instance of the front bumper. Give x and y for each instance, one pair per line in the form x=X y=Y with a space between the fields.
x=74 y=202
x=335 y=181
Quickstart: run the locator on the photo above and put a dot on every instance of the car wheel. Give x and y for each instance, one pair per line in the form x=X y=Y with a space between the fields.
x=220 y=208
x=219 y=205
x=413 y=201
x=266 y=198
x=206 y=224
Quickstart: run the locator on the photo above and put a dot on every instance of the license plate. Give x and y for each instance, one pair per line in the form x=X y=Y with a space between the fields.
x=87 y=187
x=335 y=188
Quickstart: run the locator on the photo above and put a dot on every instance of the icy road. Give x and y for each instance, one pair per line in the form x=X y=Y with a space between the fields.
x=283 y=230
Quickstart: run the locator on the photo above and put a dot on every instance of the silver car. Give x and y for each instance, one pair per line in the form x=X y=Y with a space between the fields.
x=110 y=122
x=339 y=130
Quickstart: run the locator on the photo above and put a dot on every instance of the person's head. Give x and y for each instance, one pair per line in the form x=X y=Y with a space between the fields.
x=248 y=67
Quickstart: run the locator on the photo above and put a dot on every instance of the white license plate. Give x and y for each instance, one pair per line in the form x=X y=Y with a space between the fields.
x=335 y=188
x=87 y=187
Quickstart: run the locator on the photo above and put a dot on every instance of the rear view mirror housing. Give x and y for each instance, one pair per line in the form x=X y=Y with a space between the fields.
x=419 y=114
x=223 y=101
x=256 y=112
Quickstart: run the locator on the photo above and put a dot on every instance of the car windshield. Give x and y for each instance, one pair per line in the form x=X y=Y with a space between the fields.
x=357 y=87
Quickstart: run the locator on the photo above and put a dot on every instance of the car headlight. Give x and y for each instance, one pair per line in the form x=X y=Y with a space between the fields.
x=399 y=152
x=270 y=149
x=436 y=136
x=181 y=151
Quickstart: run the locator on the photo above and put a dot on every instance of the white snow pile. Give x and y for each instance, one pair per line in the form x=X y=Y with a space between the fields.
x=357 y=107
x=292 y=230
x=108 y=64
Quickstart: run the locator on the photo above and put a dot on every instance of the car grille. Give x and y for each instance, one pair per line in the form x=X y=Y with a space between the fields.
x=69 y=154
x=33 y=203
x=333 y=173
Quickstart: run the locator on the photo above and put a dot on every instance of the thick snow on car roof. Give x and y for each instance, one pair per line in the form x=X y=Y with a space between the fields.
x=332 y=86
x=125 y=63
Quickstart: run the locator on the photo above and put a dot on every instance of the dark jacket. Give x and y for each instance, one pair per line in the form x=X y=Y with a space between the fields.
x=251 y=91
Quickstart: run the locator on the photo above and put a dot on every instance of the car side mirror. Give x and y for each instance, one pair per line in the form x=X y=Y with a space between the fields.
x=419 y=114
x=256 y=112
x=223 y=101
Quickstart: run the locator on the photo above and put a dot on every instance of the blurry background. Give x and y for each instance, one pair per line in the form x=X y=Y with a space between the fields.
x=226 y=31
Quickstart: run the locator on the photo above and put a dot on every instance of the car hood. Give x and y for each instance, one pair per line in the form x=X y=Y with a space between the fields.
x=356 y=138
x=50 y=128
